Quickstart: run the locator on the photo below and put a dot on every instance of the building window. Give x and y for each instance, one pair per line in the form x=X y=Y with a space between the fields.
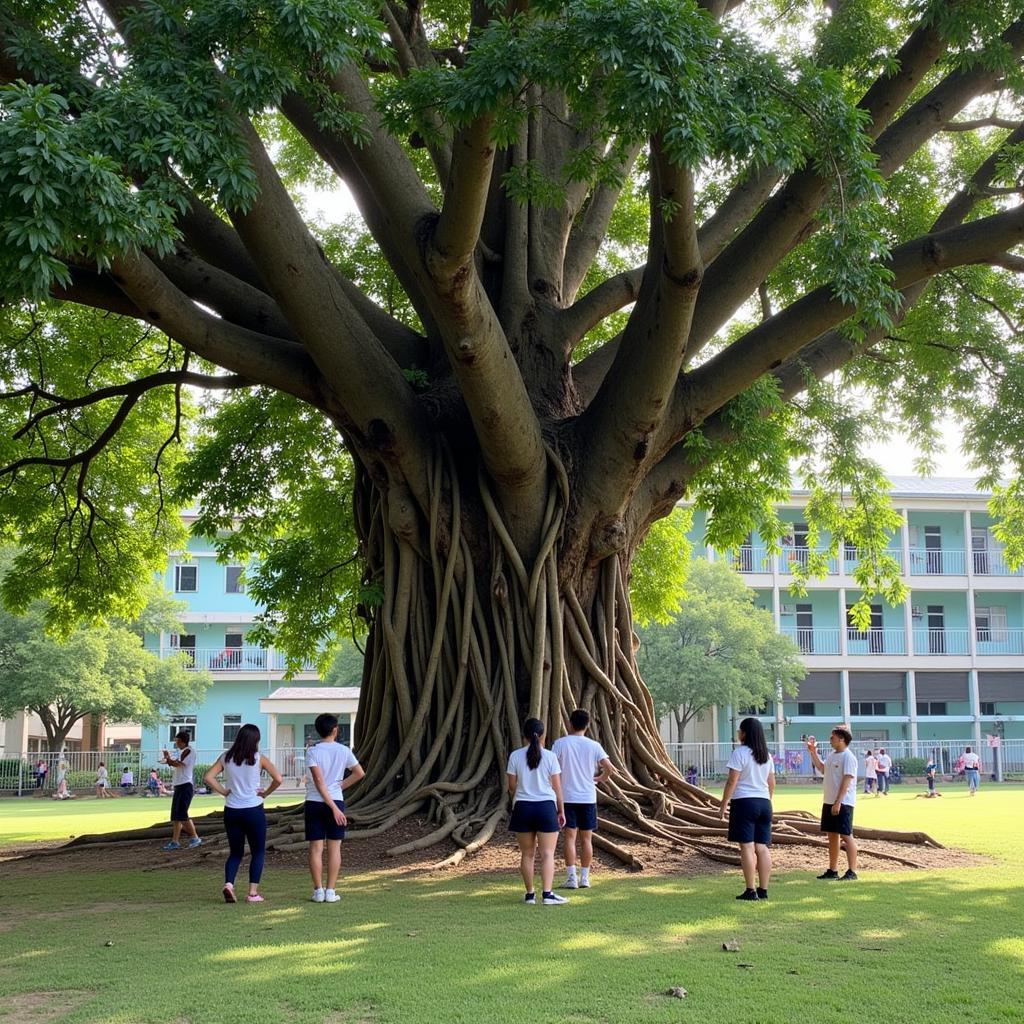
x=233 y=580
x=865 y=708
x=182 y=722
x=931 y=707
x=186 y=578
x=232 y=723
x=805 y=708
x=988 y=707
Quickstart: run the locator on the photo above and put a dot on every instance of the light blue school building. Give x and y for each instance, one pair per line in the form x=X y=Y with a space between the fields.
x=948 y=664
x=248 y=680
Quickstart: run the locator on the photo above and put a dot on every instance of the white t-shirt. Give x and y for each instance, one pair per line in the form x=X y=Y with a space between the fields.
x=884 y=762
x=181 y=775
x=753 y=781
x=837 y=764
x=243 y=780
x=333 y=760
x=101 y=776
x=579 y=758
x=533 y=784
x=972 y=760
x=871 y=765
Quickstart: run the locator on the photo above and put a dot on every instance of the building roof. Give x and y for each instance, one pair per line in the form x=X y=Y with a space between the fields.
x=315 y=693
x=931 y=487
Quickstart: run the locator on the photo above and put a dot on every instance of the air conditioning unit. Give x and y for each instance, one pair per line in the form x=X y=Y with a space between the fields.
x=788 y=609
x=916 y=613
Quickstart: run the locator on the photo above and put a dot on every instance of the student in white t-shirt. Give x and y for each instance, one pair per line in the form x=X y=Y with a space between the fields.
x=538 y=810
x=748 y=796
x=103 y=781
x=972 y=770
x=870 y=772
x=840 y=795
x=584 y=764
x=182 y=790
x=244 y=817
x=326 y=765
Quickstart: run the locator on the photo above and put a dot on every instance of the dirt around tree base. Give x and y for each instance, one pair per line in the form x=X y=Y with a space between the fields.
x=500 y=855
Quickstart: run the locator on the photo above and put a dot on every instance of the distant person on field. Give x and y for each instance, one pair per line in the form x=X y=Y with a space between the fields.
x=182 y=791
x=870 y=772
x=748 y=796
x=41 y=770
x=584 y=764
x=154 y=784
x=102 y=782
x=930 y=770
x=538 y=811
x=326 y=764
x=245 y=821
x=972 y=769
x=882 y=774
x=127 y=778
x=62 y=793
x=840 y=796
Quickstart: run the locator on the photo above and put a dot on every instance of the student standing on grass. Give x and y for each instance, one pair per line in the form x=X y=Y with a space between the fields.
x=840 y=796
x=972 y=769
x=538 y=810
x=326 y=764
x=870 y=772
x=103 y=782
x=882 y=774
x=584 y=764
x=748 y=796
x=182 y=791
x=245 y=821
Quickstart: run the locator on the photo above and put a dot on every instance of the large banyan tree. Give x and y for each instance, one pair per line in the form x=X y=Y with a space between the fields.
x=608 y=254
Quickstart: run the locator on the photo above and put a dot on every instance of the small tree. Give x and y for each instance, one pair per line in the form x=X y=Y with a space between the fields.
x=719 y=649
x=98 y=669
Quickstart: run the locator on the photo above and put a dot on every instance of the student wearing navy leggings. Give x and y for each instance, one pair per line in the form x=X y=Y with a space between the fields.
x=245 y=821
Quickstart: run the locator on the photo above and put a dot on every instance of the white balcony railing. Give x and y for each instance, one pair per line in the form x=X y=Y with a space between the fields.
x=876 y=641
x=798 y=557
x=928 y=562
x=996 y=640
x=993 y=563
x=851 y=559
x=232 y=659
x=752 y=559
x=941 y=641
x=813 y=640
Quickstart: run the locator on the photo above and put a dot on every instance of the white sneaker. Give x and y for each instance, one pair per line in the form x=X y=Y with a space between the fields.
x=571 y=883
x=330 y=896
x=585 y=882
x=318 y=896
x=553 y=900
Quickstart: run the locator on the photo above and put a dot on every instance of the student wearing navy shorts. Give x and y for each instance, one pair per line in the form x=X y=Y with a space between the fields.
x=538 y=811
x=748 y=797
x=840 y=796
x=584 y=764
x=326 y=765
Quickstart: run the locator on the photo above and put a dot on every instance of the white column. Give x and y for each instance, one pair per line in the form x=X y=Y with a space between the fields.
x=272 y=733
x=906 y=542
x=776 y=604
x=911 y=688
x=972 y=629
x=780 y=721
x=968 y=552
x=975 y=692
x=844 y=695
x=844 y=622
x=908 y=623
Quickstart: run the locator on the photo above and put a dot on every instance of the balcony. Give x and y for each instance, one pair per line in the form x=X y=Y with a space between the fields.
x=876 y=641
x=752 y=559
x=792 y=558
x=812 y=640
x=995 y=641
x=941 y=641
x=852 y=558
x=930 y=562
x=232 y=659
x=992 y=563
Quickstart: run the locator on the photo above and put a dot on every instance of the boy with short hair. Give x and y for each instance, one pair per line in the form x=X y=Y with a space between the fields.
x=839 y=770
x=584 y=764
x=326 y=764
x=182 y=791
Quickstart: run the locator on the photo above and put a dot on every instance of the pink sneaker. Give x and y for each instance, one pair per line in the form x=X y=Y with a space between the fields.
x=229 y=893
x=254 y=897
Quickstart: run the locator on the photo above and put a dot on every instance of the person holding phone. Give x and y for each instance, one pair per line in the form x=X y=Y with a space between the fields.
x=840 y=796
x=538 y=810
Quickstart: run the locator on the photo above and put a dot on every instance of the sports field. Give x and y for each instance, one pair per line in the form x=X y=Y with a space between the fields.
x=157 y=946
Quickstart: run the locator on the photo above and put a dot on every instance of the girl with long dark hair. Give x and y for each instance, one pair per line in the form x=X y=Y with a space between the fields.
x=244 y=817
x=538 y=811
x=748 y=797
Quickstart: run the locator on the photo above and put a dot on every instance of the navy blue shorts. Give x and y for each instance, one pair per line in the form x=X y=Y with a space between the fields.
x=534 y=816
x=750 y=820
x=181 y=798
x=841 y=822
x=320 y=823
x=582 y=816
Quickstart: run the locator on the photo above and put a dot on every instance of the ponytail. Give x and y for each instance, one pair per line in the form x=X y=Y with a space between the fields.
x=533 y=729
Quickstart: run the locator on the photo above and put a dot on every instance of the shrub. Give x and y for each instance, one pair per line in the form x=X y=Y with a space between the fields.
x=913 y=765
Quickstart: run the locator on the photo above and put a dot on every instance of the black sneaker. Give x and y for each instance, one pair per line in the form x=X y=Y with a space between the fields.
x=747 y=894
x=531 y=899
x=762 y=894
x=850 y=876
x=829 y=876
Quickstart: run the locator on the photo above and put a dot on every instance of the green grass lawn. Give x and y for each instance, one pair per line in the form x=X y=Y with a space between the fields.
x=904 y=947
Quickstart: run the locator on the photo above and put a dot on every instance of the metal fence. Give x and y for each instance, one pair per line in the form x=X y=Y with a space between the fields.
x=19 y=774
x=793 y=762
